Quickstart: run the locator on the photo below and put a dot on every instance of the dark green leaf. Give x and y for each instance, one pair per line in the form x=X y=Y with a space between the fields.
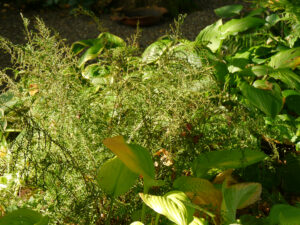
x=268 y=101
x=225 y=160
x=221 y=71
x=292 y=100
x=229 y=10
x=282 y=214
x=238 y=196
x=24 y=217
x=256 y=12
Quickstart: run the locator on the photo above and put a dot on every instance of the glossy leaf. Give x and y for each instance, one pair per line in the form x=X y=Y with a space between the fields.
x=111 y=41
x=273 y=19
x=135 y=157
x=261 y=70
x=256 y=12
x=114 y=178
x=226 y=160
x=282 y=214
x=91 y=53
x=97 y=74
x=268 y=101
x=211 y=35
x=238 y=196
x=286 y=59
x=79 y=46
x=154 y=51
x=288 y=77
x=95 y=46
x=171 y=205
x=229 y=10
x=235 y=26
x=24 y=216
x=263 y=84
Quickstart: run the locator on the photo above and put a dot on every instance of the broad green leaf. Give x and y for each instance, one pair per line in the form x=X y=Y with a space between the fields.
x=7 y=100
x=91 y=53
x=171 y=205
x=273 y=19
x=104 y=41
x=263 y=84
x=97 y=74
x=79 y=46
x=211 y=35
x=268 y=101
x=288 y=77
x=238 y=196
x=221 y=71
x=111 y=41
x=261 y=70
x=229 y=10
x=282 y=214
x=114 y=178
x=135 y=157
x=238 y=62
x=187 y=52
x=200 y=191
x=286 y=59
x=235 y=26
x=154 y=51
x=256 y=12
x=226 y=160
x=24 y=217
x=292 y=99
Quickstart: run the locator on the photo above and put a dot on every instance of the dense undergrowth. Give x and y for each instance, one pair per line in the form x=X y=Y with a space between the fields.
x=200 y=109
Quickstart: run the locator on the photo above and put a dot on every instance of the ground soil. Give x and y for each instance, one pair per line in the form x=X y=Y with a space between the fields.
x=73 y=28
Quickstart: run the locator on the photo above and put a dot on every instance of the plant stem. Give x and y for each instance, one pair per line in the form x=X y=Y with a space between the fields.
x=146 y=190
x=107 y=221
x=156 y=219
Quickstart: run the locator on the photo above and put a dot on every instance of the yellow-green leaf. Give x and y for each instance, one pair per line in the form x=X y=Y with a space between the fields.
x=171 y=205
x=114 y=178
x=135 y=157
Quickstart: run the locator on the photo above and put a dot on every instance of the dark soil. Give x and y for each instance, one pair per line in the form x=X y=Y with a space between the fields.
x=73 y=28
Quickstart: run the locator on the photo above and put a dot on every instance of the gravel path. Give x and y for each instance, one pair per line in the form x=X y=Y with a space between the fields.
x=77 y=28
